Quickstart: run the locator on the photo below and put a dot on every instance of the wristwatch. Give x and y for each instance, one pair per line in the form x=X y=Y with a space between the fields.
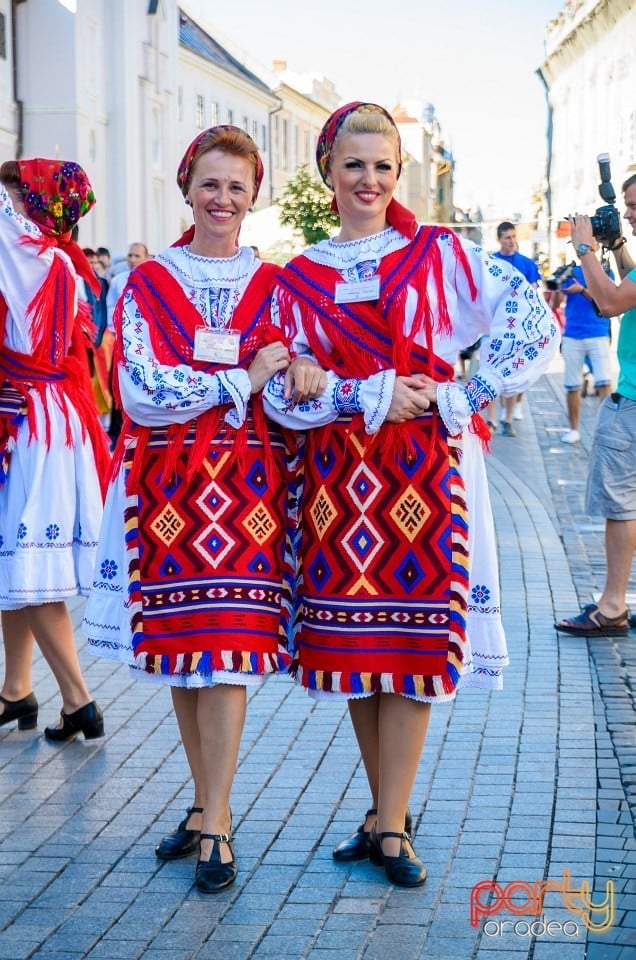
x=583 y=248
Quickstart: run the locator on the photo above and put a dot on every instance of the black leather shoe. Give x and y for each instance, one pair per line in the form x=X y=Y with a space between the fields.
x=407 y=870
x=356 y=847
x=25 y=711
x=88 y=720
x=212 y=876
x=181 y=842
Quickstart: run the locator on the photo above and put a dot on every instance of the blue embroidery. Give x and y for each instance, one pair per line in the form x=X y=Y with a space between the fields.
x=480 y=594
x=22 y=531
x=109 y=569
x=52 y=531
x=346 y=396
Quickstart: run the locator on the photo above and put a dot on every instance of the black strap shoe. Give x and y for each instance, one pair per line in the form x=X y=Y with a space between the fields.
x=25 y=711
x=406 y=870
x=356 y=847
x=212 y=875
x=181 y=842
x=88 y=720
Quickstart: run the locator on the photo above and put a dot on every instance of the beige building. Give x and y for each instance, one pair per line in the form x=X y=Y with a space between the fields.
x=590 y=76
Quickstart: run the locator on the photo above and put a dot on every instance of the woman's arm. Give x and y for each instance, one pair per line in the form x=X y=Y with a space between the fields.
x=154 y=394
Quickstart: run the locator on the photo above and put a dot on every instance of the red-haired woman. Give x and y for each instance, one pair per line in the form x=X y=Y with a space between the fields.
x=190 y=584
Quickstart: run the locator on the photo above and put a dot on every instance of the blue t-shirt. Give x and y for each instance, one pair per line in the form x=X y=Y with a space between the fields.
x=581 y=319
x=626 y=351
x=524 y=265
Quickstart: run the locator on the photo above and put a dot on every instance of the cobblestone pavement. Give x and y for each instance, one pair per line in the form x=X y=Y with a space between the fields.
x=518 y=786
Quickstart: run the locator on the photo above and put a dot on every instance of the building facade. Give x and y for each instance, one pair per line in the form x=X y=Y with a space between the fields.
x=589 y=73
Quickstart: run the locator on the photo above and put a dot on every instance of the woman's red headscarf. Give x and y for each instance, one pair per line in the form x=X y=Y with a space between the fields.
x=397 y=216
x=56 y=194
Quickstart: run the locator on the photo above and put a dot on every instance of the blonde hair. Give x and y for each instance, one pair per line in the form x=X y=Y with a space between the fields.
x=368 y=119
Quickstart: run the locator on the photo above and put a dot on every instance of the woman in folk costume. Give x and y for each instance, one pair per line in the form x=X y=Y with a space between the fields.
x=54 y=453
x=190 y=578
x=397 y=548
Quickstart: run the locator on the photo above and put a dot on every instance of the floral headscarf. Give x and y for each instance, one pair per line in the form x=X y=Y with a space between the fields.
x=56 y=194
x=329 y=132
x=185 y=167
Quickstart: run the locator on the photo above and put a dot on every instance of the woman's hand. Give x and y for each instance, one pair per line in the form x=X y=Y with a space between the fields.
x=412 y=396
x=268 y=361
x=304 y=380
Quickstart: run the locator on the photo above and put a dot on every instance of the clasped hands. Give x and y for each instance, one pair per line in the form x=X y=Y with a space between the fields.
x=412 y=396
x=304 y=379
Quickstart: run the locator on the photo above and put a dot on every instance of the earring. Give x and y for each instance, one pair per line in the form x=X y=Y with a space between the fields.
x=250 y=209
x=188 y=201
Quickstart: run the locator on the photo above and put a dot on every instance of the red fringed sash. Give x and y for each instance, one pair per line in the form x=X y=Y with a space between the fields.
x=365 y=338
x=69 y=382
x=172 y=321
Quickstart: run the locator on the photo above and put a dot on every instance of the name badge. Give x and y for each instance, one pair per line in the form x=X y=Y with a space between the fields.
x=217 y=346
x=357 y=291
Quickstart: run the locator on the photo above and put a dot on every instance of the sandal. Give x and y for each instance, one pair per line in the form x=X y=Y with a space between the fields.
x=590 y=622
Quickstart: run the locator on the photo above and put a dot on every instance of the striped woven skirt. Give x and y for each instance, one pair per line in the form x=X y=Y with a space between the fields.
x=383 y=565
x=206 y=561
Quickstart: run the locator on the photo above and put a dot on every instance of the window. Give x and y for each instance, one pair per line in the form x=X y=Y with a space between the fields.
x=246 y=124
x=285 y=145
x=3 y=36
x=230 y=115
x=200 y=111
x=264 y=138
x=254 y=131
x=214 y=114
x=180 y=103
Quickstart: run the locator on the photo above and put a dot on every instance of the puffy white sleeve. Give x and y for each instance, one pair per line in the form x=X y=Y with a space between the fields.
x=341 y=397
x=154 y=394
x=519 y=336
x=22 y=271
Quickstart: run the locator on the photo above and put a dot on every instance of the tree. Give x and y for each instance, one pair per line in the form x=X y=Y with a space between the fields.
x=305 y=206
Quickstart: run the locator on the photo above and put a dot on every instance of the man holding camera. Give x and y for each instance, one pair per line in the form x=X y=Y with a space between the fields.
x=611 y=489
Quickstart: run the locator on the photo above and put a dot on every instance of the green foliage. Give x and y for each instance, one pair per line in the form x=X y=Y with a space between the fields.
x=305 y=206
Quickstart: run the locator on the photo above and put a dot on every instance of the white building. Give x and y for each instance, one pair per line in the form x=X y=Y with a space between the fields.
x=590 y=76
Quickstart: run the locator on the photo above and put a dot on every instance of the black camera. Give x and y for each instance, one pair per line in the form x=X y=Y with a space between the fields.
x=606 y=223
x=560 y=275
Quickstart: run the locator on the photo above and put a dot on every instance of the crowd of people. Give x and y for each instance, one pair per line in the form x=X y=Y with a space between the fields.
x=298 y=482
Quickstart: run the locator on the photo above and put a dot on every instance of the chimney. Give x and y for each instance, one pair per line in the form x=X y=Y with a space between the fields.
x=279 y=66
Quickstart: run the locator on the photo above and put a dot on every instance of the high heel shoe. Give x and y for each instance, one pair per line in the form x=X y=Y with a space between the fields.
x=405 y=870
x=25 y=711
x=356 y=847
x=88 y=720
x=212 y=875
x=182 y=841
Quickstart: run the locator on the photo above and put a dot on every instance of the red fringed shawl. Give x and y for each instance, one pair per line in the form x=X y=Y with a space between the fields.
x=172 y=321
x=365 y=338
x=59 y=362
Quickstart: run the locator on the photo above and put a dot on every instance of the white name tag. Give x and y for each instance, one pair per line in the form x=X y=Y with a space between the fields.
x=357 y=291
x=217 y=346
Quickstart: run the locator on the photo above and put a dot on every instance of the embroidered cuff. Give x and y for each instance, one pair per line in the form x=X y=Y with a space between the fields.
x=346 y=396
x=454 y=407
x=235 y=384
x=376 y=394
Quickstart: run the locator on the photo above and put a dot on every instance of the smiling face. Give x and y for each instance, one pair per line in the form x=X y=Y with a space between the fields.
x=220 y=191
x=363 y=172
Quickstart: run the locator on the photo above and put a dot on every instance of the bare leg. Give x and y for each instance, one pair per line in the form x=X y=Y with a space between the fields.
x=620 y=544
x=508 y=405
x=221 y=716
x=186 y=707
x=573 y=399
x=364 y=713
x=53 y=630
x=402 y=731
x=18 y=654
